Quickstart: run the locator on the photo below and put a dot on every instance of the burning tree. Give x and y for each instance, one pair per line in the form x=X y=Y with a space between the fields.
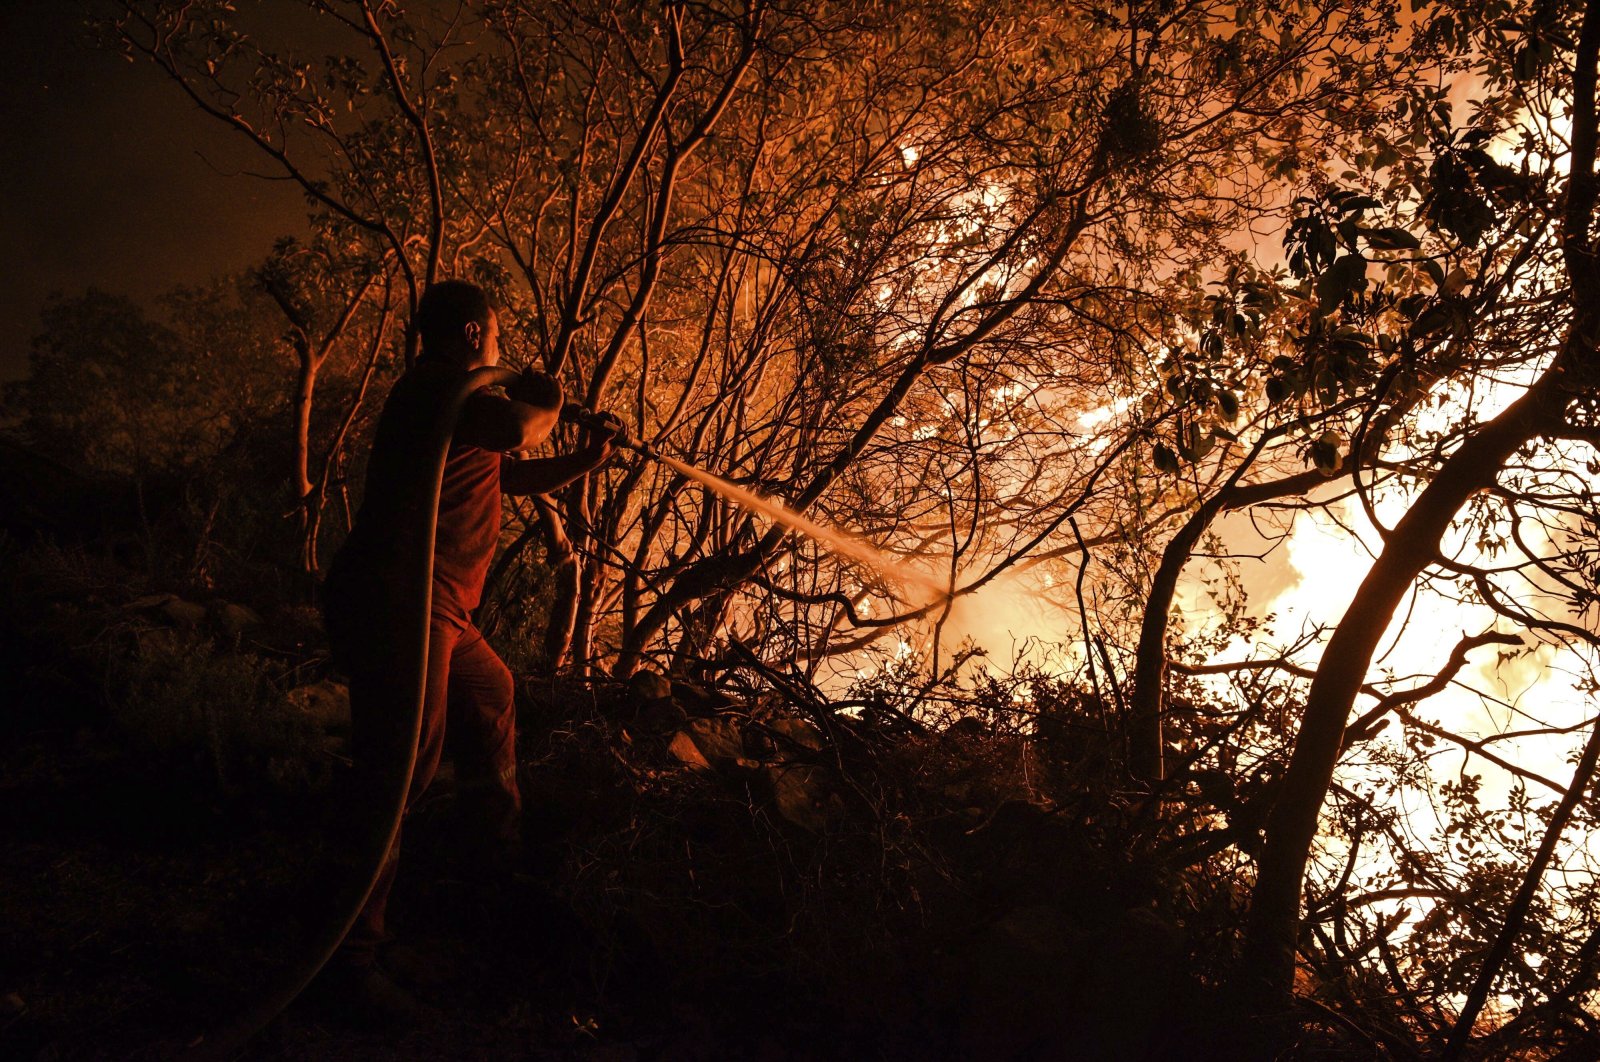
x=979 y=282
x=934 y=219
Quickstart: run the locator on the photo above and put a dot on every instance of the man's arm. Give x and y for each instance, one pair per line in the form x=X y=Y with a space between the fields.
x=496 y=423
x=520 y=422
x=541 y=475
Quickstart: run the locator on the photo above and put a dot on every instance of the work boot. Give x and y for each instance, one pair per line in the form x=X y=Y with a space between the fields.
x=365 y=996
x=416 y=967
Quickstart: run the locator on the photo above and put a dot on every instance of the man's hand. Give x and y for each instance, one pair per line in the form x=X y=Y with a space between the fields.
x=601 y=447
x=541 y=475
x=536 y=389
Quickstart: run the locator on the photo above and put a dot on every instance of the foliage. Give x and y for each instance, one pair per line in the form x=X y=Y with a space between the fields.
x=751 y=210
x=987 y=285
x=179 y=691
x=179 y=698
x=111 y=391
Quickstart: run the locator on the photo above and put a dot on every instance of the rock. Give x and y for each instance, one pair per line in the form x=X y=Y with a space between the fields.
x=652 y=695
x=801 y=793
x=758 y=743
x=232 y=620
x=649 y=686
x=718 y=740
x=185 y=614
x=659 y=716
x=171 y=608
x=687 y=752
x=326 y=703
x=150 y=602
x=794 y=732
x=700 y=700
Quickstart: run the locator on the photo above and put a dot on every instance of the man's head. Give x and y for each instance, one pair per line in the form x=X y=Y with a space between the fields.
x=455 y=321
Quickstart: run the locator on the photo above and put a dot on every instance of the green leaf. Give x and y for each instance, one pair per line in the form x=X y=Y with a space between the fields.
x=1325 y=457
x=1432 y=320
x=1347 y=274
x=1388 y=239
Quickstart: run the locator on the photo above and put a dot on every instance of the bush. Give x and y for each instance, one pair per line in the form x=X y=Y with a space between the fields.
x=181 y=699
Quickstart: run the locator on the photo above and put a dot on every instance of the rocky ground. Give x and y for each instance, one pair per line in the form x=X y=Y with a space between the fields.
x=709 y=875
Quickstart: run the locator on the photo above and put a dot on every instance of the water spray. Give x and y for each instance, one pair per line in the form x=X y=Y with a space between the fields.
x=927 y=589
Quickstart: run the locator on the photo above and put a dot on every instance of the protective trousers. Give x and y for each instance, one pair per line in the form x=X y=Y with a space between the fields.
x=470 y=690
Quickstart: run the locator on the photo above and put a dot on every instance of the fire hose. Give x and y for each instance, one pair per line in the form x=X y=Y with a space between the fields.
x=417 y=594
x=372 y=850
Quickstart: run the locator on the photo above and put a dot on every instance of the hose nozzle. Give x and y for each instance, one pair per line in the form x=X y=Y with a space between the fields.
x=573 y=413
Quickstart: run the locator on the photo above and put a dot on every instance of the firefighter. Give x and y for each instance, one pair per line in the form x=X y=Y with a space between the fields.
x=468 y=685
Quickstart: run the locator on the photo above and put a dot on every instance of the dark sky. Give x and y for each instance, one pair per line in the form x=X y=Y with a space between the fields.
x=111 y=178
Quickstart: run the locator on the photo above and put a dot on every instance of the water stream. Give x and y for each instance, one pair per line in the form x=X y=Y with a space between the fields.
x=923 y=587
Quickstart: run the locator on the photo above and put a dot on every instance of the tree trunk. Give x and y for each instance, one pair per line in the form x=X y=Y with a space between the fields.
x=563 y=613
x=1273 y=926
x=1272 y=929
x=582 y=647
x=1145 y=742
x=1145 y=751
x=566 y=603
x=304 y=393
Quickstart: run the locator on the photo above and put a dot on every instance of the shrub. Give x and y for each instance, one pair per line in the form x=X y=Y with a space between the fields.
x=181 y=699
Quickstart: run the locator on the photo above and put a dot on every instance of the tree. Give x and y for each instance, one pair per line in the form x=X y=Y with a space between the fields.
x=112 y=392
x=871 y=201
x=1544 y=410
x=324 y=303
x=971 y=281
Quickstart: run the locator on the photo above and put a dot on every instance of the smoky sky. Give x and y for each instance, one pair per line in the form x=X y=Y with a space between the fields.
x=111 y=178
